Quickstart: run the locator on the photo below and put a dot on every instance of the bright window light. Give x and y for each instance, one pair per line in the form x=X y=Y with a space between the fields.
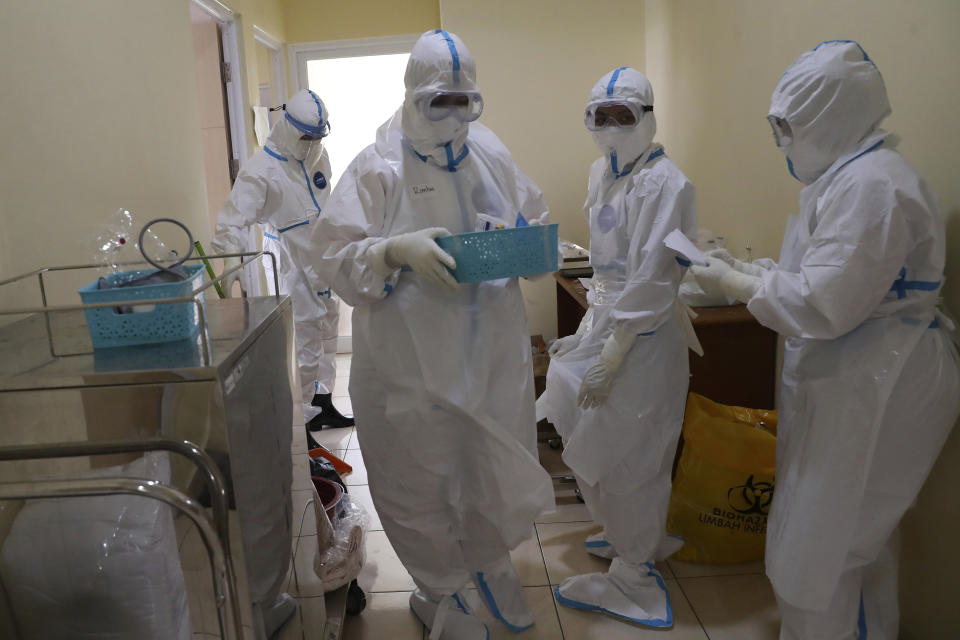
x=361 y=93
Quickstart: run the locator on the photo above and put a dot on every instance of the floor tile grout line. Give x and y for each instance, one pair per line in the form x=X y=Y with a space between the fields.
x=693 y=609
x=556 y=611
x=543 y=558
x=719 y=575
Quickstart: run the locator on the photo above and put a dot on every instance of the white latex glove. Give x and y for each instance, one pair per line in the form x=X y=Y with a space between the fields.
x=421 y=253
x=739 y=265
x=227 y=283
x=562 y=346
x=720 y=277
x=741 y=286
x=598 y=380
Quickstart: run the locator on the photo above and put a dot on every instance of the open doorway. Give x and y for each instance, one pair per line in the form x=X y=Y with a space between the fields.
x=214 y=112
x=357 y=109
x=218 y=66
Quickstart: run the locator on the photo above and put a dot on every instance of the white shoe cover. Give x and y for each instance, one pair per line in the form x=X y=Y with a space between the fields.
x=669 y=546
x=599 y=546
x=501 y=591
x=278 y=613
x=448 y=619
x=635 y=593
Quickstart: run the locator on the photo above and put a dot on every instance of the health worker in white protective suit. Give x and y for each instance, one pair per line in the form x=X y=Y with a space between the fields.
x=626 y=366
x=442 y=379
x=870 y=387
x=283 y=188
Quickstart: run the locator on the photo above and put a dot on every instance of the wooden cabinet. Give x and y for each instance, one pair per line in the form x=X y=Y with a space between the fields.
x=740 y=355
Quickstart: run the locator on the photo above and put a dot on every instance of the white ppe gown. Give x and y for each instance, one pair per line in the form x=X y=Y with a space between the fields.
x=441 y=381
x=870 y=387
x=285 y=196
x=622 y=451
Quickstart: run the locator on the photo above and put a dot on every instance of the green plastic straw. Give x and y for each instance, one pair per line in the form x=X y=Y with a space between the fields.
x=206 y=263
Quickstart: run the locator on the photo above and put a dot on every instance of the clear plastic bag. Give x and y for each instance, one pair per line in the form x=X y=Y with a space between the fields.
x=97 y=568
x=340 y=550
x=116 y=242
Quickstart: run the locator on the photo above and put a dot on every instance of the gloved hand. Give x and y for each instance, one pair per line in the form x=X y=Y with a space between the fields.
x=563 y=346
x=421 y=253
x=719 y=277
x=227 y=283
x=739 y=265
x=598 y=380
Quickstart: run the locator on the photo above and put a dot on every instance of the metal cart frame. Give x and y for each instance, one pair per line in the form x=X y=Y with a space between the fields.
x=193 y=298
x=214 y=530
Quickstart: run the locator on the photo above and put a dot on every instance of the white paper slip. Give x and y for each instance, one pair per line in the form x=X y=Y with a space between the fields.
x=586 y=282
x=681 y=244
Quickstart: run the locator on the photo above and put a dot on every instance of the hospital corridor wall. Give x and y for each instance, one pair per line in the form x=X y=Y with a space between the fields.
x=101 y=113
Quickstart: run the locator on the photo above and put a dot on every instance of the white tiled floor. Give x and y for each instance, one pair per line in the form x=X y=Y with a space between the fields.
x=733 y=602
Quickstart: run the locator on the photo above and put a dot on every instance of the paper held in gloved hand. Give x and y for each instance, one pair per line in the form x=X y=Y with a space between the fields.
x=681 y=244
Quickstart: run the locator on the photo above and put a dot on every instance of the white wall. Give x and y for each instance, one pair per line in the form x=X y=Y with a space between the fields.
x=536 y=64
x=100 y=111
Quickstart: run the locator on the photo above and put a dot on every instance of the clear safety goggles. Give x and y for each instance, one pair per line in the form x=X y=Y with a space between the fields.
x=465 y=106
x=615 y=113
x=309 y=131
x=782 y=133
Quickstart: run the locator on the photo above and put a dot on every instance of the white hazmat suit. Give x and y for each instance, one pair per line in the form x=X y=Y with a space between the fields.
x=870 y=387
x=283 y=188
x=622 y=450
x=441 y=380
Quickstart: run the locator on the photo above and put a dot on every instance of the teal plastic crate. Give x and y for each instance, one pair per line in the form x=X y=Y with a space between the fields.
x=161 y=323
x=502 y=253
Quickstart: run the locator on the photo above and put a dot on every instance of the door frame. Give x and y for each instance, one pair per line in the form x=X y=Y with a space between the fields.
x=231 y=28
x=301 y=53
x=278 y=67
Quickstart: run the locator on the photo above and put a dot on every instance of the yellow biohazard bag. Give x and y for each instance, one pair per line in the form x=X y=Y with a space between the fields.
x=724 y=482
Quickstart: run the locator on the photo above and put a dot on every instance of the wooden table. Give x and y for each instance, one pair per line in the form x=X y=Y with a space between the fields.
x=740 y=355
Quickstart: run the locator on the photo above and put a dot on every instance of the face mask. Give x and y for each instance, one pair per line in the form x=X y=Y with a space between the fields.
x=447 y=130
x=301 y=148
x=804 y=162
x=627 y=144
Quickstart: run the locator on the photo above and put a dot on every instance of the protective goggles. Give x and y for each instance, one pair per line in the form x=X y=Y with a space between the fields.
x=465 y=106
x=782 y=133
x=314 y=132
x=614 y=114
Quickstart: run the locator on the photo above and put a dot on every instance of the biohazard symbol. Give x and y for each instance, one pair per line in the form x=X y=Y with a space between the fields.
x=751 y=497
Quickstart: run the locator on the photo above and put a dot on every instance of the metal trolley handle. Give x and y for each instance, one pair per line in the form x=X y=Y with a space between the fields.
x=215 y=535
x=193 y=298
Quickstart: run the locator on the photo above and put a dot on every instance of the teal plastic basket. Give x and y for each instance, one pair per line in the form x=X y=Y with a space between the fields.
x=159 y=323
x=502 y=253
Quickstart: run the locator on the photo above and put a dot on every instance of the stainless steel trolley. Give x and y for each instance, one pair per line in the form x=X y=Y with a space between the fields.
x=222 y=402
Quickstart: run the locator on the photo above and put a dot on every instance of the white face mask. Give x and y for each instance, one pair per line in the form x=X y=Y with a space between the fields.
x=627 y=144
x=301 y=148
x=446 y=130
x=805 y=162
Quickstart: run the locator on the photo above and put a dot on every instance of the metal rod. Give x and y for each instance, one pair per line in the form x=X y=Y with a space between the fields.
x=276 y=279
x=224 y=582
x=46 y=316
x=204 y=339
x=153 y=301
x=216 y=485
